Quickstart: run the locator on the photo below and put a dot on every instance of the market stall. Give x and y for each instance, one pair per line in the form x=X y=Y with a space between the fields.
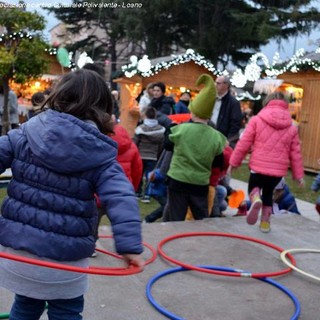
x=178 y=73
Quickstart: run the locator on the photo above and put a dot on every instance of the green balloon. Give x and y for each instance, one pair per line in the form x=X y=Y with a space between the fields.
x=63 y=57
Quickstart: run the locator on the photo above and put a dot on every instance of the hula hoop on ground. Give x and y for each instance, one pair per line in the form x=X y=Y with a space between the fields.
x=238 y=273
x=284 y=254
x=104 y=271
x=173 y=316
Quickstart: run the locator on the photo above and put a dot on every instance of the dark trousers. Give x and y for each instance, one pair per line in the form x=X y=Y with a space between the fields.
x=266 y=184
x=179 y=203
x=148 y=166
x=25 y=308
x=157 y=213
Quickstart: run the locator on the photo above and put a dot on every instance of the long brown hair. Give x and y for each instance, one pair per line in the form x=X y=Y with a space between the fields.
x=85 y=95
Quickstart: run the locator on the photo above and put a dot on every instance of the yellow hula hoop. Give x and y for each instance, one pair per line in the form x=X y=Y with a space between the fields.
x=288 y=263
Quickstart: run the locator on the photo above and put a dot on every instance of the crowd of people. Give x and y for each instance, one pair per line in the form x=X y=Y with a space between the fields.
x=200 y=185
x=73 y=162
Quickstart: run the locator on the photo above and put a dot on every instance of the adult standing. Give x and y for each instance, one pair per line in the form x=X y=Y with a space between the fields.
x=12 y=107
x=146 y=98
x=182 y=104
x=13 y=110
x=116 y=104
x=227 y=115
x=163 y=104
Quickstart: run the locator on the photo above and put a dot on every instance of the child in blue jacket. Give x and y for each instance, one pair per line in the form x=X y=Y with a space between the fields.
x=157 y=189
x=59 y=159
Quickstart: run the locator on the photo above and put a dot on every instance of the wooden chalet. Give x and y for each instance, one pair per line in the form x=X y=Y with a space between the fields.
x=178 y=73
x=304 y=86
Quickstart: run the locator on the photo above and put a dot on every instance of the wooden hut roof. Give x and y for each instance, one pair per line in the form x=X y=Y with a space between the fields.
x=164 y=63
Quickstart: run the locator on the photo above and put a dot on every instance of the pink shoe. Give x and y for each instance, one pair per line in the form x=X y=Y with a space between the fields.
x=242 y=209
x=256 y=205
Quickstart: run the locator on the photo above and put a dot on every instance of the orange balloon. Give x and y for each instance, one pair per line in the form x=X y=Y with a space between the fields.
x=236 y=198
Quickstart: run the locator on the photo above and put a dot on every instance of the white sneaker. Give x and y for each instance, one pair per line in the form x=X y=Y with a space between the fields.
x=145 y=199
x=94 y=254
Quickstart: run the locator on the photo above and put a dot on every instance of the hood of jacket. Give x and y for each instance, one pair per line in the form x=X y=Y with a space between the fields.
x=276 y=114
x=62 y=142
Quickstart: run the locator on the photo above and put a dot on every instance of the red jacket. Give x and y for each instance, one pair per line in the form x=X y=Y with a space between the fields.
x=128 y=155
x=218 y=173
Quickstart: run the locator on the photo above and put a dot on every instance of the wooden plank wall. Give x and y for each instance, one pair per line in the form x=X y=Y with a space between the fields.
x=309 y=128
x=310 y=125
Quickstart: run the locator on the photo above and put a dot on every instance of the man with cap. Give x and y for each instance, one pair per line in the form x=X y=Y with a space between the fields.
x=227 y=115
x=195 y=145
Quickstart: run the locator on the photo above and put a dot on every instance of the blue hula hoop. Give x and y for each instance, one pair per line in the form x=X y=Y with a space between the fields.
x=173 y=316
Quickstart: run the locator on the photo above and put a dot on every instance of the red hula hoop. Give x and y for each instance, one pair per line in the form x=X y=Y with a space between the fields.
x=224 y=273
x=105 y=271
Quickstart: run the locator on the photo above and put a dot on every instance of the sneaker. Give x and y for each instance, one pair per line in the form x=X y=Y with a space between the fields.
x=145 y=199
x=253 y=212
x=265 y=226
x=242 y=209
x=138 y=196
x=94 y=254
x=256 y=205
x=265 y=219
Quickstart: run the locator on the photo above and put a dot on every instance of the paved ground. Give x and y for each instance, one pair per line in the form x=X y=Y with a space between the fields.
x=194 y=296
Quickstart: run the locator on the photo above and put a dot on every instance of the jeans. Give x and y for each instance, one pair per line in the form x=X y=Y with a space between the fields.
x=25 y=308
x=221 y=193
x=220 y=204
x=148 y=166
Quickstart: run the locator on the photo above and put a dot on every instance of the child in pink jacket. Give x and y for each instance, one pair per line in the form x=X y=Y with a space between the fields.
x=274 y=145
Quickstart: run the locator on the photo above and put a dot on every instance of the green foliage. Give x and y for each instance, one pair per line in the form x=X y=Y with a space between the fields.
x=21 y=47
x=22 y=55
x=30 y=60
x=16 y=20
x=6 y=60
x=160 y=25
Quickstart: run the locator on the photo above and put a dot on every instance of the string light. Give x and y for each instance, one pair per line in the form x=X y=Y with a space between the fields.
x=131 y=69
x=238 y=79
x=252 y=71
x=13 y=36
